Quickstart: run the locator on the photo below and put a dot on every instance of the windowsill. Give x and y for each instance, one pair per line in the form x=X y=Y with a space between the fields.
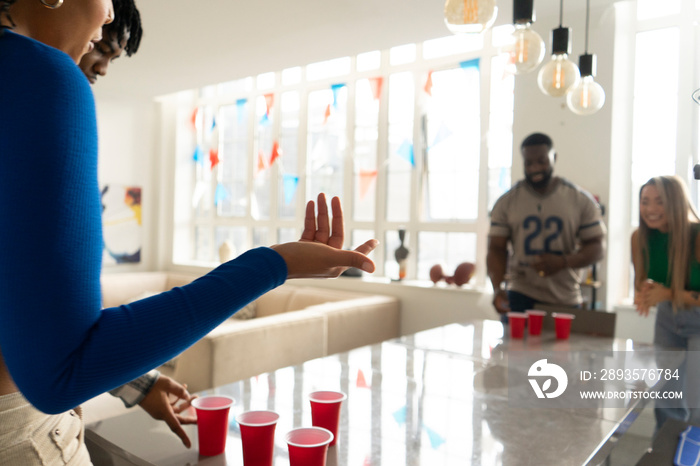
x=368 y=279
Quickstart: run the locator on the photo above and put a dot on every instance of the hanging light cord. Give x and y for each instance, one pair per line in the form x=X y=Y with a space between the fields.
x=561 y=12
x=588 y=7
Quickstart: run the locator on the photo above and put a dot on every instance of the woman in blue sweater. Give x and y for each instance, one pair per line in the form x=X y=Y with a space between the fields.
x=58 y=347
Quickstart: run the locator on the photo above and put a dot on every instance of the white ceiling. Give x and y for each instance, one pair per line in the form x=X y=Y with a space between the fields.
x=188 y=44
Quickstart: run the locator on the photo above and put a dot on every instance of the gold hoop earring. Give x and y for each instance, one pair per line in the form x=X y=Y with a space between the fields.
x=52 y=6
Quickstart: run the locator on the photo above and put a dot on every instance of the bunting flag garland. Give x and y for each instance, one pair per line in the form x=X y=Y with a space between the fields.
x=428 y=88
x=465 y=65
x=240 y=110
x=264 y=120
x=442 y=134
x=213 y=157
x=376 y=85
x=367 y=177
x=335 y=88
x=276 y=152
x=213 y=124
x=406 y=152
x=327 y=114
x=290 y=184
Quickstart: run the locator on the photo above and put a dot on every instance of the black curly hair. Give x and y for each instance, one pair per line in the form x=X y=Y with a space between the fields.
x=5 y=11
x=127 y=20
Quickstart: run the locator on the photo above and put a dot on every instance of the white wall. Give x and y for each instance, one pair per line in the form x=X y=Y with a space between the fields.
x=126 y=157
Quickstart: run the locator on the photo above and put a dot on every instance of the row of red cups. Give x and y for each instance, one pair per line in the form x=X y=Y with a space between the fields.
x=534 y=319
x=307 y=445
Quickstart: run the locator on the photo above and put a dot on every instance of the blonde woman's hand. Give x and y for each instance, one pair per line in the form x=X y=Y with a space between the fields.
x=319 y=253
x=651 y=294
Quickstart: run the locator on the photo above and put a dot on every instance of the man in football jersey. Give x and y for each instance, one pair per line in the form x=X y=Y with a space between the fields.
x=553 y=228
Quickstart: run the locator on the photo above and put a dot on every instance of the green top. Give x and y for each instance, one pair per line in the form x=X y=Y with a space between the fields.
x=658 y=260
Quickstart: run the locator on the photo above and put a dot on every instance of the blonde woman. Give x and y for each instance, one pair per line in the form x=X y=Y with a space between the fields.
x=666 y=258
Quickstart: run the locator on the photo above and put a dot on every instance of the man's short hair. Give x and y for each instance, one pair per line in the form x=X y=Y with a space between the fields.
x=536 y=139
x=126 y=20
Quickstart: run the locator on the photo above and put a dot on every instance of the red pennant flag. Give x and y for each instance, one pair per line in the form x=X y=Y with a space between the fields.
x=327 y=114
x=213 y=157
x=276 y=152
x=261 y=162
x=361 y=382
x=429 y=84
x=193 y=118
x=376 y=85
x=269 y=102
x=366 y=179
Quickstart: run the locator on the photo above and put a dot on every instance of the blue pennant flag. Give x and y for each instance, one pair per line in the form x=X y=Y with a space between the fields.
x=198 y=155
x=474 y=63
x=435 y=439
x=406 y=151
x=221 y=194
x=290 y=184
x=400 y=415
x=240 y=109
x=335 y=88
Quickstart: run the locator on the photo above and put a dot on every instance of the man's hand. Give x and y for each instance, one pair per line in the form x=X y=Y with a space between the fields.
x=161 y=403
x=500 y=302
x=548 y=264
x=319 y=253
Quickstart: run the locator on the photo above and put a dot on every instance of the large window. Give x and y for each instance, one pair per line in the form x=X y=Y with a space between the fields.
x=397 y=134
x=665 y=118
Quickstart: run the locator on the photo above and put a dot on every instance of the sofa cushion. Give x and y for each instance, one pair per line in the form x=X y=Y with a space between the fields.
x=304 y=297
x=249 y=311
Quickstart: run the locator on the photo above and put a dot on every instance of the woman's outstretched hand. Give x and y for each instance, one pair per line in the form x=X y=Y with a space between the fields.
x=319 y=253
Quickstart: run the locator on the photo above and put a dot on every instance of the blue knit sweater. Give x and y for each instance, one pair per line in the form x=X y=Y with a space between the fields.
x=59 y=345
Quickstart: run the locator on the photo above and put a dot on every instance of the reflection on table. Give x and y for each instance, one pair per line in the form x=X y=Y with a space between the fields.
x=439 y=397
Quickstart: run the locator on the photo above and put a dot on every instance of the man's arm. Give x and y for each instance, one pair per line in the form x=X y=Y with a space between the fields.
x=590 y=252
x=496 y=261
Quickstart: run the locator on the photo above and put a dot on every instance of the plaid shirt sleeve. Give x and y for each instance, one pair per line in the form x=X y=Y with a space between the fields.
x=133 y=392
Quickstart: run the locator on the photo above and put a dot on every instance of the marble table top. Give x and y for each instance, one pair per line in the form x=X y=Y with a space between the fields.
x=454 y=395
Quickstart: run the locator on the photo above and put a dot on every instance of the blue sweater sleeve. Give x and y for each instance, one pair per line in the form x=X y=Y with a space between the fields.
x=60 y=347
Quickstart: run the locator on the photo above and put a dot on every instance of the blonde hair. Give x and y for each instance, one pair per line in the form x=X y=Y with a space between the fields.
x=680 y=213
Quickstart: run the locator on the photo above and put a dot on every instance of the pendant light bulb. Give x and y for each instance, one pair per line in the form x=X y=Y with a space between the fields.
x=560 y=75
x=588 y=96
x=470 y=16
x=525 y=48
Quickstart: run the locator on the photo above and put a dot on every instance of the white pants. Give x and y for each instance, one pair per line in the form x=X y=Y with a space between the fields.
x=30 y=437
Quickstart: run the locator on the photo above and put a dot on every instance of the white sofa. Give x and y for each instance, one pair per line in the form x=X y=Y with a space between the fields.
x=293 y=324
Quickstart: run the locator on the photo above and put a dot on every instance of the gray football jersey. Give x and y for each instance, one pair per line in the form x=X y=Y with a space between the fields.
x=553 y=223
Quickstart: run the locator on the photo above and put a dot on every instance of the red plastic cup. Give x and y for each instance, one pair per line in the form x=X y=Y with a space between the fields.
x=534 y=322
x=562 y=324
x=517 y=324
x=258 y=436
x=212 y=423
x=308 y=446
x=325 y=410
